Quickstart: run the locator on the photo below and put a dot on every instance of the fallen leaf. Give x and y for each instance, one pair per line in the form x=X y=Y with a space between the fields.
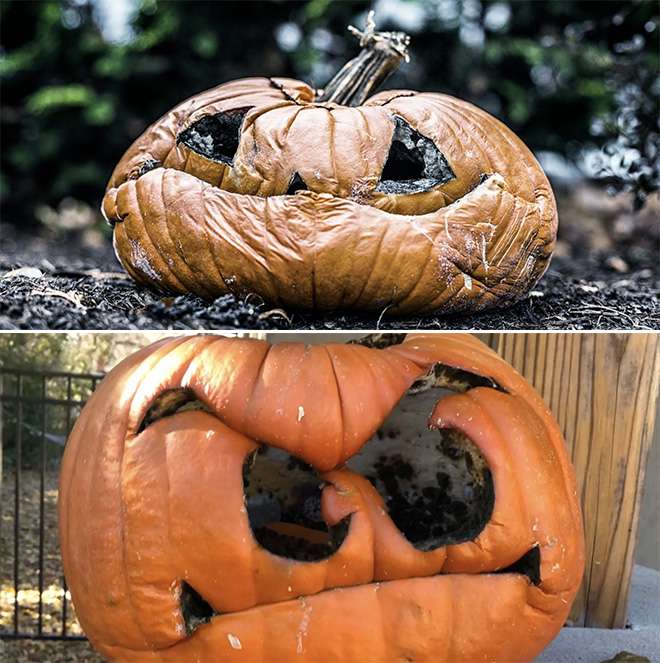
x=619 y=264
x=28 y=272
x=71 y=296
x=627 y=657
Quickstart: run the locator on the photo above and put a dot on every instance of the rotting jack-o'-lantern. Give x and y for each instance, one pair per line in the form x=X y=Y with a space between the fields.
x=326 y=199
x=228 y=499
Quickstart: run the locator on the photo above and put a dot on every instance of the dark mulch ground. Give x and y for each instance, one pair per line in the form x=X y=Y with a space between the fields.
x=605 y=275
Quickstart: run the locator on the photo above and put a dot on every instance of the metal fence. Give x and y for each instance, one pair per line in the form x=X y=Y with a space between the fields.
x=37 y=411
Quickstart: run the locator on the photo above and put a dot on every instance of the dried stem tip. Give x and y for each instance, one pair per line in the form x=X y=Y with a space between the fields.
x=381 y=54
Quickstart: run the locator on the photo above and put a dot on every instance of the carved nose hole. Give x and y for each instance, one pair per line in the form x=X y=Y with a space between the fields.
x=283 y=499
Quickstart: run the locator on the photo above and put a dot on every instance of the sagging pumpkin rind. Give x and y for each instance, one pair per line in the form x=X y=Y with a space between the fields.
x=169 y=471
x=239 y=234
x=315 y=251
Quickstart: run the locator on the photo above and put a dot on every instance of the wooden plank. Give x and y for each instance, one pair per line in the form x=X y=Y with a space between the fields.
x=603 y=390
x=491 y=339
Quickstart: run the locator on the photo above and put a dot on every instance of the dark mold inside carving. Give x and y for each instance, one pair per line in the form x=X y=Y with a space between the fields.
x=436 y=485
x=283 y=500
x=171 y=402
x=456 y=379
x=297 y=184
x=414 y=162
x=195 y=610
x=453 y=508
x=215 y=137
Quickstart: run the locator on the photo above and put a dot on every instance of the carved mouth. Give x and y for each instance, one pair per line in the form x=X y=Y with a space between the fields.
x=197 y=612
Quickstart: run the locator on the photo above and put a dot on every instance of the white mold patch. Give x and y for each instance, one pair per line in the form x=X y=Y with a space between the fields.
x=141 y=261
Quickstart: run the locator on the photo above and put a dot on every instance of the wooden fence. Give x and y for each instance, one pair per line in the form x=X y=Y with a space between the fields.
x=603 y=390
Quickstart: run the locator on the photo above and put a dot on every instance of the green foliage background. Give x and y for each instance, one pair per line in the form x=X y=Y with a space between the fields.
x=72 y=102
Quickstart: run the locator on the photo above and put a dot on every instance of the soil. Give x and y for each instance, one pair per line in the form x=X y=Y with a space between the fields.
x=605 y=274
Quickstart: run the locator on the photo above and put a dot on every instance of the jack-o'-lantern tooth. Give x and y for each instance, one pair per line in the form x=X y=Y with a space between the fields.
x=215 y=137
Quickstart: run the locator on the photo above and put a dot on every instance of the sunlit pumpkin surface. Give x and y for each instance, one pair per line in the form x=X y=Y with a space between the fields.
x=403 y=499
x=408 y=201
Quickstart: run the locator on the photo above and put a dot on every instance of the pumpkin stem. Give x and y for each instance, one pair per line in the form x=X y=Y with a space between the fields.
x=381 y=54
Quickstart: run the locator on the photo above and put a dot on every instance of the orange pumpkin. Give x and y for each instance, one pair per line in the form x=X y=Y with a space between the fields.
x=322 y=200
x=228 y=499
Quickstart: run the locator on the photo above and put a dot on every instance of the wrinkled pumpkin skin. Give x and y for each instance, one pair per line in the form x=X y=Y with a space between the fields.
x=184 y=222
x=140 y=512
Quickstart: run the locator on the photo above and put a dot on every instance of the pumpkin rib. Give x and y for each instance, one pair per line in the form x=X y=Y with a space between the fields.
x=139 y=587
x=189 y=276
x=314 y=240
x=374 y=275
x=216 y=264
x=162 y=350
x=155 y=254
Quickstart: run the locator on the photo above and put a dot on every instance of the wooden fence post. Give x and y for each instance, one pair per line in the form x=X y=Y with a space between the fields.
x=603 y=390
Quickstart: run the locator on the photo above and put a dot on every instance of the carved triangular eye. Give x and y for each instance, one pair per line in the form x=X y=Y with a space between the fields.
x=216 y=136
x=414 y=162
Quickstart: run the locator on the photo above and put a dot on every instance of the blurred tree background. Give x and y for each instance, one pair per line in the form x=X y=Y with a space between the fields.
x=578 y=81
x=57 y=355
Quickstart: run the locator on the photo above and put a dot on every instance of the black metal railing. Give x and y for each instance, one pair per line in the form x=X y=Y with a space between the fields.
x=37 y=412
